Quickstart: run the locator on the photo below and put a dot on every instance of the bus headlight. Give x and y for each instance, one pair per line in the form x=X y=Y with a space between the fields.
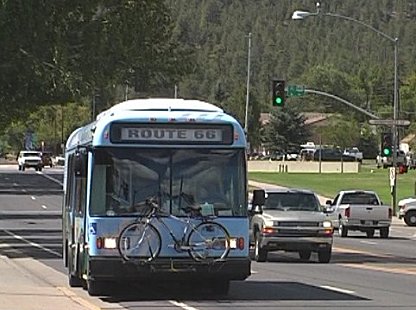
x=107 y=243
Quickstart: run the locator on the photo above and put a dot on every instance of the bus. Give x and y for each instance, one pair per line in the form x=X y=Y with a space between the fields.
x=145 y=148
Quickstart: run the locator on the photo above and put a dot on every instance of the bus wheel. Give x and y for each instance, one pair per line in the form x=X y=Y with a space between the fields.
x=74 y=281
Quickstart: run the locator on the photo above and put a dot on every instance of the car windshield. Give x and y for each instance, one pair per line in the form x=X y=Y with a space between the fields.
x=291 y=201
x=124 y=178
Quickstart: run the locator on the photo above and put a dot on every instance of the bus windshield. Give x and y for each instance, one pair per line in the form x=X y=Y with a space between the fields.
x=123 y=178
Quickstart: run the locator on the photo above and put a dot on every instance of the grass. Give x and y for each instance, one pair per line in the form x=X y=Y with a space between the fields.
x=328 y=184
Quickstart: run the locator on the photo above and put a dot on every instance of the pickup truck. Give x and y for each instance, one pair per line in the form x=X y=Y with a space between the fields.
x=360 y=210
x=29 y=159
x=290 y=220
x=407 y=211
x=354 y=152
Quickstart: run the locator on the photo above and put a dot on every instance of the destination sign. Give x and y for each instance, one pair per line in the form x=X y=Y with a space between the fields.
x=171 y=134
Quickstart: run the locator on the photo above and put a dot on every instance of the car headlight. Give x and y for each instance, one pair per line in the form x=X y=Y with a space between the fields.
x=326 y=224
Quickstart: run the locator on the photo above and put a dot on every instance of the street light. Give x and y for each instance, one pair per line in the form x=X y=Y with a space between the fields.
x=248 y=85
x=299 y=15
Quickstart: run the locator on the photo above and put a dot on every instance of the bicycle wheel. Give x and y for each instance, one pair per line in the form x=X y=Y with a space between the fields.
x=139 y=241
x=209 y=241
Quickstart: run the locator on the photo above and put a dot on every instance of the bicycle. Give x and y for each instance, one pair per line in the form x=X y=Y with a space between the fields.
x=141 y=241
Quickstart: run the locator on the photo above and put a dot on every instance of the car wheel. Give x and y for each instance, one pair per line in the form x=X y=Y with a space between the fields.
x=370 y=233
x=342 y=230
x=260 y=254
x=324 y=255
x=410 y=218
x=384 y=232
x=305 y=254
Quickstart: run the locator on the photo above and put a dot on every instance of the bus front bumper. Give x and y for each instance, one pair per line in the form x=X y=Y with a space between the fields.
x=111 y=268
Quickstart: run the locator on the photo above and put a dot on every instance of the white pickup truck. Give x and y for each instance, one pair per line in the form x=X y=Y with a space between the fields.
x=360 y=210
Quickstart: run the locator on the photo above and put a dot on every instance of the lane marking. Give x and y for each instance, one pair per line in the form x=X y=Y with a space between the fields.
x=369 y=242
x=79 y=300
x=44 y=207
x=182 y=305
x=36 y=245
x=400 y=270
x=347 y=250
x=33 y=198
x=337 y=289
x=50 y=178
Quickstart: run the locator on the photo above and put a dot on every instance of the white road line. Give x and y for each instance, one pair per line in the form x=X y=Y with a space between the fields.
x=44 y=207
x=182 y=305
x=36 y=245
x=337 y=289
x=368 y=242
x=50 y=178
x=33 y=198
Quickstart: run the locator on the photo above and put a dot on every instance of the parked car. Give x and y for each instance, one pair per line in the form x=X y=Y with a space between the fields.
x=354 y=152
x=29 y=159
x=360 y=210
x=383 y=161
x=289 y=220
x=58 y=160
x=331 y=155
x=407 y=211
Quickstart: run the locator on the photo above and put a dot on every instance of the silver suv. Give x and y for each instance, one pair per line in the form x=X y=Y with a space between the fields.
x=289 y=220
x=30 y=159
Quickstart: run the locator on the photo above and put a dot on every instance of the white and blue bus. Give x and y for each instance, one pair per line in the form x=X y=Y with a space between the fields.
x=174 y=150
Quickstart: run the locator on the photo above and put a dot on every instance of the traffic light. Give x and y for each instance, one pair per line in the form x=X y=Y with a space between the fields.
x=387 y=144
x=278 y=88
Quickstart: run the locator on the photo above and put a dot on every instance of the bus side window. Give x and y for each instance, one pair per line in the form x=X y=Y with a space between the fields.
x=81 y=185
x=69 y=184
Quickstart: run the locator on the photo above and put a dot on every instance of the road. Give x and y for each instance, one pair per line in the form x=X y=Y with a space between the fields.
x=363 y=273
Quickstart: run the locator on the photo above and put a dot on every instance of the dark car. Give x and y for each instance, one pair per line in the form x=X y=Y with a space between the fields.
x=331 y=155
x=47 y=159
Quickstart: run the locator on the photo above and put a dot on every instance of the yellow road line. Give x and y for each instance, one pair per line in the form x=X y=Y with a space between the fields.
x=79 y=300
x=347 y=250
x=400 y=270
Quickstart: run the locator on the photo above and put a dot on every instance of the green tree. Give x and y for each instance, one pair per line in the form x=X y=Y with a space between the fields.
x=286 y=130
x=58 y=51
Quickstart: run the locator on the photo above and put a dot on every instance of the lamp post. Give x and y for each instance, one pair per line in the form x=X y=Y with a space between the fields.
x=248 y=85
x=299 y=15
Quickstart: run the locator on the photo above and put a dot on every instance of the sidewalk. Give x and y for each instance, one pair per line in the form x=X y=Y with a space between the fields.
x=26 y=284
x=322 y=199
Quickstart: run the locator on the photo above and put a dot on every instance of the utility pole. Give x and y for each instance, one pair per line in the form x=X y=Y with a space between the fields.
x=248 y=84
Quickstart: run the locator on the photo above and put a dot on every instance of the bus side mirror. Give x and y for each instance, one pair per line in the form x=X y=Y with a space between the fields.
x=259 y=197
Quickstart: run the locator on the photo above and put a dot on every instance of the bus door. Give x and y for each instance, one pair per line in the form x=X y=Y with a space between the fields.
x=77 y=177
